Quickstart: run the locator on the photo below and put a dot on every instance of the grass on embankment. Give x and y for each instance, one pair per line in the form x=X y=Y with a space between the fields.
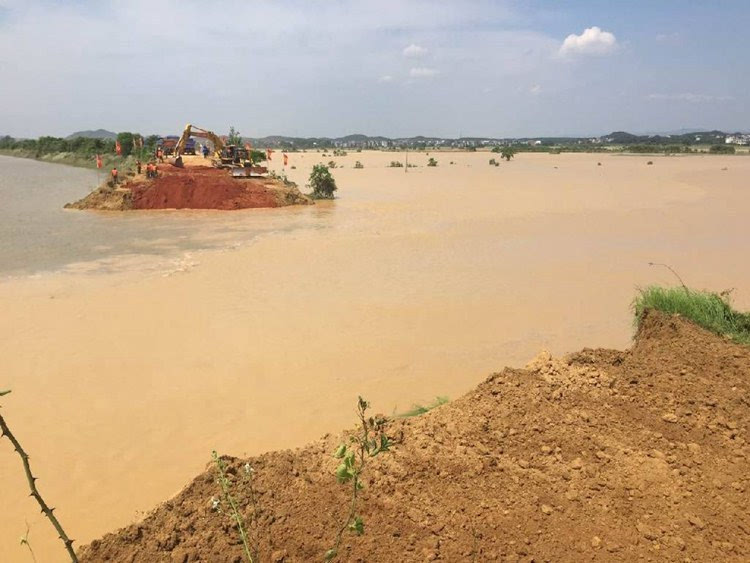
x=710 y=310
x=417 y=410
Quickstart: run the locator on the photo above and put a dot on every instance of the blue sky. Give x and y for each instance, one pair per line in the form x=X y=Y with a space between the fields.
x=394 y=68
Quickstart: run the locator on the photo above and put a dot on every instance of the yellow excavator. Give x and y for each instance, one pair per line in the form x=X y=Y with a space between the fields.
x=225 y=156
x=193 y=131
x=235 y=158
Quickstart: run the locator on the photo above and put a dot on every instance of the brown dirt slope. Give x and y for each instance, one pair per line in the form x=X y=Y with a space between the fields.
x=194 y=187
x=600 y=456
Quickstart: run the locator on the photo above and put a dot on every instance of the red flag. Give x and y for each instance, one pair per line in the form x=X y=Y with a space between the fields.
x=269 y=152
x=286 y=159
x=118 y=147
x=98 y=161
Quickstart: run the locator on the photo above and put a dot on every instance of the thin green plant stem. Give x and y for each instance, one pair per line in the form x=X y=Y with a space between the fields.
x=25 y=541
x=349 y=518
x=668 y=267
x=224 y=482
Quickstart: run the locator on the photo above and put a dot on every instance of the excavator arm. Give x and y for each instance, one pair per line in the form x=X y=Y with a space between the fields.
x=183 y=140
x=193 y=131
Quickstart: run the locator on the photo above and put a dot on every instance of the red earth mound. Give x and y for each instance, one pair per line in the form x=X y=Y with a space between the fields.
x=201 y=187
x=192 y=187
x=600 y=456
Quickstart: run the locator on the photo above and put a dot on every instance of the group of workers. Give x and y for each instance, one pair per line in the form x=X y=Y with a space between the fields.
x=151 y=165
x=150 y=171
x=150 y=168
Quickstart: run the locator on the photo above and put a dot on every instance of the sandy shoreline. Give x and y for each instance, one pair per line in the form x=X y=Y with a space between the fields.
x=418 y=284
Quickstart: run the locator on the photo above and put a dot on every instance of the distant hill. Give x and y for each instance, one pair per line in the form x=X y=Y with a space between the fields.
x=98 y=134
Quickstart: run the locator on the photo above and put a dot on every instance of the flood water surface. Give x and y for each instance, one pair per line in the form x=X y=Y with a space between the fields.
x=37 y=235
x=127 y=371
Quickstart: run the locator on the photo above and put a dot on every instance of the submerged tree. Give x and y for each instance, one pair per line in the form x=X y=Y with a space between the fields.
x=507 y=153
x=322 y=183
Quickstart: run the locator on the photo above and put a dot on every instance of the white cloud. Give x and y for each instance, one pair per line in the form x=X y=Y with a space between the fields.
x=535 y=89
x=689 y=97
x=593 y=41
x=414 y=51
x=385 y=78
x=422 y=72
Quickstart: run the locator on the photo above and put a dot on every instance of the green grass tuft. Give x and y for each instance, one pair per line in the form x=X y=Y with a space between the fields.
x=416 y=410
x=710 y=310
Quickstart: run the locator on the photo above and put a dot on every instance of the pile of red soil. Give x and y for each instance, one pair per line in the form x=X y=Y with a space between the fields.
x=193 y=187
x=600 y=456
x=202 y=187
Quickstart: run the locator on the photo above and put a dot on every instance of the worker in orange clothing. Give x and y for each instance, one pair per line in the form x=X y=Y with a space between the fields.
x=114 y=175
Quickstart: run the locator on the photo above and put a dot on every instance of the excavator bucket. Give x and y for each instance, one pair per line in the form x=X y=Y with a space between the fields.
x=241 y=172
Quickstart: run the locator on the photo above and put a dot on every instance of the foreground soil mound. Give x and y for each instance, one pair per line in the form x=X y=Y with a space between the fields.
x=602 y=455
x=193 y=187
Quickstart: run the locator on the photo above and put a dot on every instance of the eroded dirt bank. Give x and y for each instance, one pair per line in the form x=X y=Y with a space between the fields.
x=602 y=455
x=193 y=187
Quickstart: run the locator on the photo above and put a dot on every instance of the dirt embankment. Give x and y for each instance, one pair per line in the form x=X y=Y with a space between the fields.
x=193 y=187
x=602 y=455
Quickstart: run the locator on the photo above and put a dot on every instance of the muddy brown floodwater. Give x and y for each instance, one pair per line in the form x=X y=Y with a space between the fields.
x=410 y=285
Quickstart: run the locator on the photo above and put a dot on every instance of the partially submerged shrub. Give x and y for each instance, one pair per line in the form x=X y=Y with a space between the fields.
x=322 y=183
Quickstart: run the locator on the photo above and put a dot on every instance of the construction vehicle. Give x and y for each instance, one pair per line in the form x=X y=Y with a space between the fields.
x=224 y=156
x=167 y=144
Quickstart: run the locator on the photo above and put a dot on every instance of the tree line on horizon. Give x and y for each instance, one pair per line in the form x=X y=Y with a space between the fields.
x=81 y=146
x=91 y=146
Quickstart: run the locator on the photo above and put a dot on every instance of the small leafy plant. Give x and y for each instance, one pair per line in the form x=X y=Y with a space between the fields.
x=432 y=162
x=396 y=164
x=369 y=441
x=358 y=164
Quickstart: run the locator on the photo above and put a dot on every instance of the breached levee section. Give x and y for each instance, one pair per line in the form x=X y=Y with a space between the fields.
x=194 y=187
